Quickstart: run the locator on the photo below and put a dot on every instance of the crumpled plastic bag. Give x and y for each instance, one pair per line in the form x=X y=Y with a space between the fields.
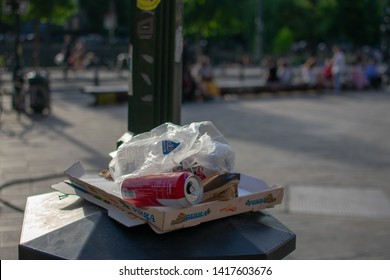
x=198 y=147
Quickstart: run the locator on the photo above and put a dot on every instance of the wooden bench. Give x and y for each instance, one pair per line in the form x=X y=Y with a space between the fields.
x=251 y=79
x=109 y=94
x=242 y=86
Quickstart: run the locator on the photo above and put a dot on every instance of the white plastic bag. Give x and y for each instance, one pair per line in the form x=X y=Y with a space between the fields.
x=170 y=147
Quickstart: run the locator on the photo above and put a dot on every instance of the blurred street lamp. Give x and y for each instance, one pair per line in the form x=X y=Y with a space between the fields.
x=16 y=8
x=110 y=21
x=258 y=48
x=385 y=29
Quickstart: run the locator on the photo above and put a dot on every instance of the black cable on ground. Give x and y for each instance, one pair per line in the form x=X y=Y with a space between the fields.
x=30 y=180
x=25 y=181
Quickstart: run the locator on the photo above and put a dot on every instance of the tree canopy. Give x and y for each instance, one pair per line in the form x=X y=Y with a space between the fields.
x=55 y=11
x=277 y=24
x=355 y=22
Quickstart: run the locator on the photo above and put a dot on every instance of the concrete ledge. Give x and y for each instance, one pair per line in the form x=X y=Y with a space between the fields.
x=108 y=94
x=237 y=87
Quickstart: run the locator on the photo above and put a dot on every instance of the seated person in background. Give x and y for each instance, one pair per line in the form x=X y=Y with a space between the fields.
x=285 y=73
x=327 y=73
x=309 y=75
x=372 y=74
x=358 y=77
x=272 y=75
x=202 y=73
x=324 y=75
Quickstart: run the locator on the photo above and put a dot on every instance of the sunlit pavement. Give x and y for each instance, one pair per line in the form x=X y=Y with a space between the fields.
x=331 y=152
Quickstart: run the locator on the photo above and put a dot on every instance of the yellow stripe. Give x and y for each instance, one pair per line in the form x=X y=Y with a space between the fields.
x=147 y=5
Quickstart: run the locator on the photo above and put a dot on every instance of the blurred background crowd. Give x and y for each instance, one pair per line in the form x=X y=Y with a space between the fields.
x=326 y=44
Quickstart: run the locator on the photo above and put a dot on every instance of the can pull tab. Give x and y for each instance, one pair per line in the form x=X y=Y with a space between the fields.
x=191 y=189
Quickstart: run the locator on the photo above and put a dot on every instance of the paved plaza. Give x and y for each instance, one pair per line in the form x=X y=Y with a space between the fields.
x=330 y=151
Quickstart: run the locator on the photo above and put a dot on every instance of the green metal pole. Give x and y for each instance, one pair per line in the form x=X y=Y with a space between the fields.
x=155 y=76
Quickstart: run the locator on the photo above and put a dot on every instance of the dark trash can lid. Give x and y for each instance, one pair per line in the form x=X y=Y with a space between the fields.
x=37 y=77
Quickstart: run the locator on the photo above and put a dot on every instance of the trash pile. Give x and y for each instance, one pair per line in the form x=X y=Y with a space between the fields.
x=171 y=164
x=172 y=177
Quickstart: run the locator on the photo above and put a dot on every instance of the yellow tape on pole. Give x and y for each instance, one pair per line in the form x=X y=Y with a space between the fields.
x=147 y=5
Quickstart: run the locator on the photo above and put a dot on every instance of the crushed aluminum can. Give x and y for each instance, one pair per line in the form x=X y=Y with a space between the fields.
x=173 y=189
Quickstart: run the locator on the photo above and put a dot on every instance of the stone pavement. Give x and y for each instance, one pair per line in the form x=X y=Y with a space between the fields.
x=331 y=152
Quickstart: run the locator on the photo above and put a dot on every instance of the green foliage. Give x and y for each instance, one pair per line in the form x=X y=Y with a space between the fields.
x=217 y=18
x=54 y=11
x=283 y=41
x=95 y=10
x=347 y=21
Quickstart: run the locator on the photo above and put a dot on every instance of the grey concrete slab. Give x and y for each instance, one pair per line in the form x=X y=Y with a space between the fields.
x=359 y=202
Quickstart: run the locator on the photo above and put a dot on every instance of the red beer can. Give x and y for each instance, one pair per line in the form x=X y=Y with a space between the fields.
x=174 y=189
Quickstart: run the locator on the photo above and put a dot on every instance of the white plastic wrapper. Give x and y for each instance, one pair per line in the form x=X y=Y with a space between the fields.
x=170 y=147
